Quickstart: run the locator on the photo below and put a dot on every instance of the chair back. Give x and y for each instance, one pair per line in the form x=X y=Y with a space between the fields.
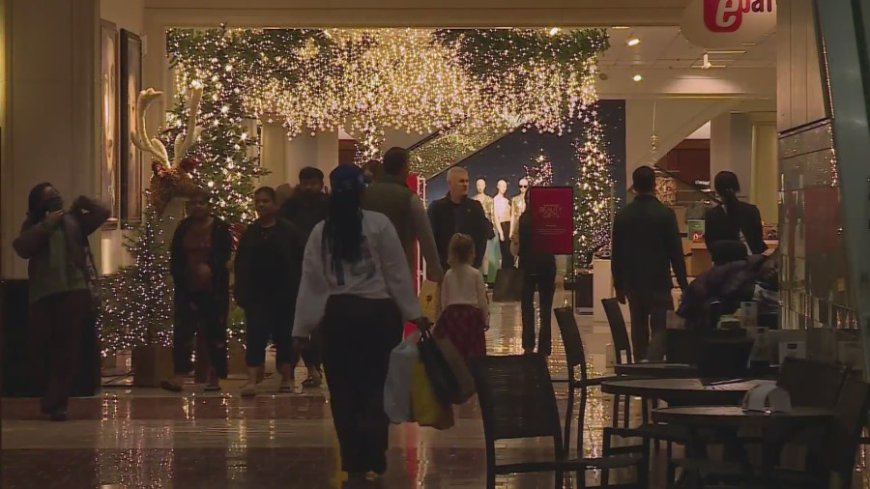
x=618 y=331
x=574 y=352
x=810 y=383
x=841 y=443
x=685 y=345
x=724 y=358
x=516 y=398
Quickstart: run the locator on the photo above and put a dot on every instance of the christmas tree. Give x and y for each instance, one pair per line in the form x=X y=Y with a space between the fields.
x=223 y=154
x=593 y=197
x=137 y=301
x=540 y=172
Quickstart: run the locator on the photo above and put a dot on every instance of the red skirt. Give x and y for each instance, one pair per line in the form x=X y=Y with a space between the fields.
x=464 y=325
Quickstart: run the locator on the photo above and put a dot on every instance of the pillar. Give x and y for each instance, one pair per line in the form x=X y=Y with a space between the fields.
x=50 y=126
x=731 y=148
x=764 y=189
x=273 y=137
x=319 y=151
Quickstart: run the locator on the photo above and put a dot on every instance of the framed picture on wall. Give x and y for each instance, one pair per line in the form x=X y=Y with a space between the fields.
x=110 y=191
x=131 y=156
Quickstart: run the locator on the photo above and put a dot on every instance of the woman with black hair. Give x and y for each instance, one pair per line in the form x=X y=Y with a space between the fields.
x=733 y=220
x=61 y=287
x=200 y=250
x=357 y=286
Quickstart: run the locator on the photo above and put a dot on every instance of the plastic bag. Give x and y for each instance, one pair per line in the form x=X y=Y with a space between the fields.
x=426 y=409
x=397 y=388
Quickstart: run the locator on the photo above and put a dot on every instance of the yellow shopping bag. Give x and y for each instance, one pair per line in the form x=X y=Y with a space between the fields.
x=426 y=409
x=430 y=300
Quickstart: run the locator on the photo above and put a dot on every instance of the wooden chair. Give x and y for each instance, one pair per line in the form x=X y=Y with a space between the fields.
x=810 y=383
x=517 y=401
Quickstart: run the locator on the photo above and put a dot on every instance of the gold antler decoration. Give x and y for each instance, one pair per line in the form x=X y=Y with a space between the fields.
x=168 y=180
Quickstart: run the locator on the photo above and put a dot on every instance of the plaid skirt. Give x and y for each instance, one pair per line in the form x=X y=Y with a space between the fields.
x=464 y=325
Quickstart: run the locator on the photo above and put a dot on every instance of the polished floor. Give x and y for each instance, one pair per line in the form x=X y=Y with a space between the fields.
x=139 y=438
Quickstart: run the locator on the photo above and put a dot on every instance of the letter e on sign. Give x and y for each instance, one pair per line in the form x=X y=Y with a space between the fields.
x=728 y=23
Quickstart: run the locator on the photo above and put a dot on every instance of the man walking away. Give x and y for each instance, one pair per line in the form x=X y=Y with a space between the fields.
x=646 y=245
x=390 y=195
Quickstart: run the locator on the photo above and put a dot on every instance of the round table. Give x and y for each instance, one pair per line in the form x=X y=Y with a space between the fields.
x=683 y=392
x=657 y=370
x=735 y=416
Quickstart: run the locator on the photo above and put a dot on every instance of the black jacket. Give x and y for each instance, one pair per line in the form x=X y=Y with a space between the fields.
x=474 y=224
x=221 y=252
x=722 y=226
x=646 y=245
x=305 y=214
x=269 y=266
x=532 y=263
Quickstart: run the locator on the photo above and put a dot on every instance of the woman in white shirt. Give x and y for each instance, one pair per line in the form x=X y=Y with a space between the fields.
x=463 y=297
x=356 y=286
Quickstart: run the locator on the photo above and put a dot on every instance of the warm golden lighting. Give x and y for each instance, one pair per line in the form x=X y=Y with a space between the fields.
x=637 y=78
x=633 y=41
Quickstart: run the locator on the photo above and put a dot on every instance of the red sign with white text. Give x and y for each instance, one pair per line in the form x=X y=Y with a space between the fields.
x=552 y=211
x=728 y=23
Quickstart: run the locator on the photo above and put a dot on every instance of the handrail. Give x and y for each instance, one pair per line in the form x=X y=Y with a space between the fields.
x=472 y=154
x=425 y=140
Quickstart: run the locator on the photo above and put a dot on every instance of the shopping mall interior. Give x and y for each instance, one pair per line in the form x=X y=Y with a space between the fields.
x=551 y=112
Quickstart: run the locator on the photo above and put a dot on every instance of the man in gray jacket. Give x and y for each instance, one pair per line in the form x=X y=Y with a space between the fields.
x=390 y=195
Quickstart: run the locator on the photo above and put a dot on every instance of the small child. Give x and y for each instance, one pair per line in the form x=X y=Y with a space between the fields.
x=465 y=310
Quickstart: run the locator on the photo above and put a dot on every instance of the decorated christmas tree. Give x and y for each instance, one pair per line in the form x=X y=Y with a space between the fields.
x=137 y=301
x=540 y=172
x=593 y=197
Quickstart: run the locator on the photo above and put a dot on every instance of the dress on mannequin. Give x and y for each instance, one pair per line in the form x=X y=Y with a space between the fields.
x=492 y=255
x=518 y=206
x=503 y=218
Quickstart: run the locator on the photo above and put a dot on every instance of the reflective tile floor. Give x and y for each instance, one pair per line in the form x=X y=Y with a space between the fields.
x=146 y=438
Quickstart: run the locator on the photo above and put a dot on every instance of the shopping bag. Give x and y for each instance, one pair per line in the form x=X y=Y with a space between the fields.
x=440 y=374
x=508 y=286
x=459 y=367
x=430 y=300
x=397 y=388
x=426 y=408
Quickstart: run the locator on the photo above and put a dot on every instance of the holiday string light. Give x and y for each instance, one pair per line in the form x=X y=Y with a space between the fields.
x=449 y=147
x=137 y=301
x=540 y=172
x=594 y=202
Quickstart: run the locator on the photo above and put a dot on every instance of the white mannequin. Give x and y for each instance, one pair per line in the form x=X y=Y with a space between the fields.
x=518 y=205
x=485 y=200
x=502 y=208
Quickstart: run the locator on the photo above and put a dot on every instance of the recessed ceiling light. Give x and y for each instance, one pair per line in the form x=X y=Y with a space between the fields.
x=637 y=78
x=633 y=41
x=554 y=31
x=620 y=27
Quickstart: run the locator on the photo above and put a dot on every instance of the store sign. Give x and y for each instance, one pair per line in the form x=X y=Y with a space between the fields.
x=552 y=220
x=728 y=23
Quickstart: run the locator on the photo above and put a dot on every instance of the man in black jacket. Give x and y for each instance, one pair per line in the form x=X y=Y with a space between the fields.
x=306 y=207
x=646 y=245
x=456 y=213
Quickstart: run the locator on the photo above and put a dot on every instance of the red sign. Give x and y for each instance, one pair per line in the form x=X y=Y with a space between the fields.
x=727 y=15
x=552 y=211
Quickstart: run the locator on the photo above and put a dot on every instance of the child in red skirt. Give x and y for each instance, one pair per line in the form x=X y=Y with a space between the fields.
x=465 y=310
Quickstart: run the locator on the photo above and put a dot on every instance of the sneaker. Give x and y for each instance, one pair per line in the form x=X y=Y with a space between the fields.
x=313 y=381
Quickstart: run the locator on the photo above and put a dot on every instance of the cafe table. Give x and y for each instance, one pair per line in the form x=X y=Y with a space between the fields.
x=776 y=429
x=657 y=370
x=684 y=392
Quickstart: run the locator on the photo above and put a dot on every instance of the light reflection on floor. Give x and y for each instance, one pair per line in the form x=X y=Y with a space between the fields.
x=141 y=438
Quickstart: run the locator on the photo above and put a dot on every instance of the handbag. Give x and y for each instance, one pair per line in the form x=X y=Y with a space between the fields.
x=459 y=367
x=426 y=408
x=508 y=286
x=430 y=299
x=440 y=374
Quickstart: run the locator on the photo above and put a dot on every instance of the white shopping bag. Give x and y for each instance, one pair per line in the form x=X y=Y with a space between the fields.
x=397 y=388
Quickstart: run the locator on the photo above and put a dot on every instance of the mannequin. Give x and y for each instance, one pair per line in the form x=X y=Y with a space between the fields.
x=503 y=220
x=518 y=205
x=492 y=256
